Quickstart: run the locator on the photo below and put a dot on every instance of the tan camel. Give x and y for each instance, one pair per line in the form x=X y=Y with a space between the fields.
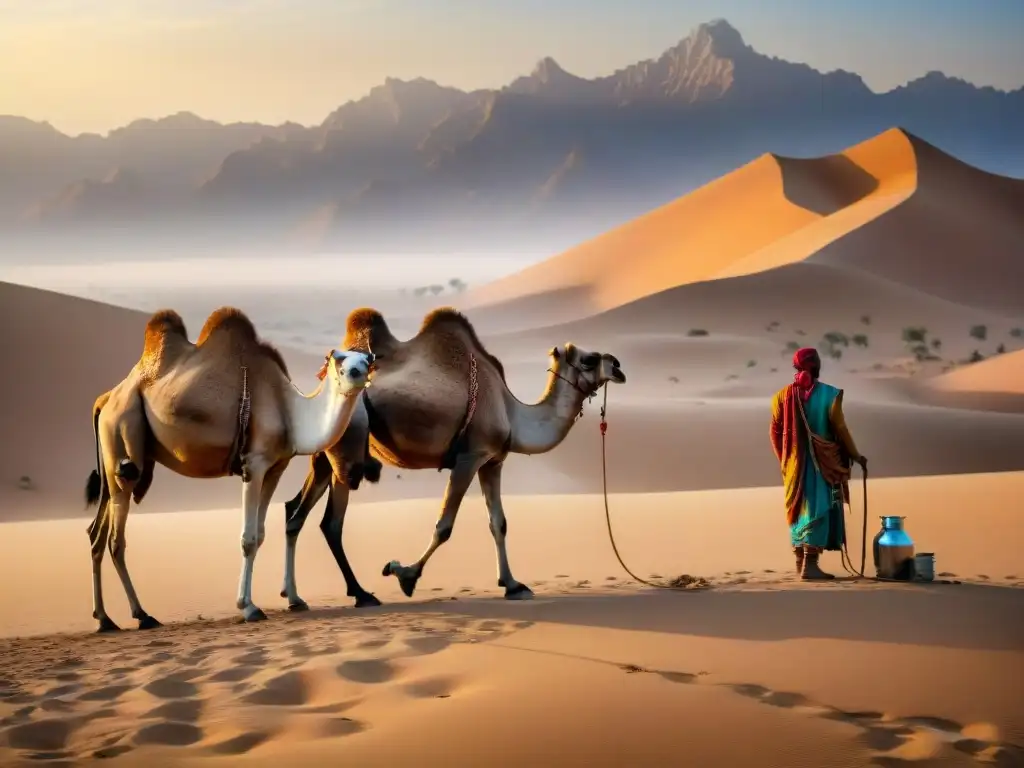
x=222 y=406
x=440 y=401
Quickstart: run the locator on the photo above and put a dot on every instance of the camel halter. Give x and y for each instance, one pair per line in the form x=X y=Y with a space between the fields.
x=588 y=393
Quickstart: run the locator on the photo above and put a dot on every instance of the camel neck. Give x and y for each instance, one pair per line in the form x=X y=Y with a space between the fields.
x=318 y=420
x=539 y=427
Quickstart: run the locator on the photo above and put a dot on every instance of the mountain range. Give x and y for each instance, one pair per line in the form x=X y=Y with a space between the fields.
x=545 y=161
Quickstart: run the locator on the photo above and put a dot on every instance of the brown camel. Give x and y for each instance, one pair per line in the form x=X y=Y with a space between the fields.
x=440 y=401
x=222 y=406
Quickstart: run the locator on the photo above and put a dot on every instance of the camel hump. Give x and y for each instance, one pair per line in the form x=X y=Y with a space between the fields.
x=366 y=330
x=448 y=322
x=234 y=324
x=228 y=320
x=164 y=325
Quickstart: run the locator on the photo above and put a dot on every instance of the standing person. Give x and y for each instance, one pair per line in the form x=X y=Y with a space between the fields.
x=815 y=469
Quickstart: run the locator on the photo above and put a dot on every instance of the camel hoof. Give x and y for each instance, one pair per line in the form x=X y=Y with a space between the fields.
x=390 y=568
x=367 y=600
x=253 y=613
x=148 y=622
x=408 y=584
x=107 y=625
x=518 y=592
x=298 y=607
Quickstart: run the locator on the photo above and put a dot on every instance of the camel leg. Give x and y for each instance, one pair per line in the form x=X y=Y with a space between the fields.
x=99 y=536
x=120 y=502
x=296 y=512
x=462 y=474
x=490 y=484
x=332 y=526
x=251 y=498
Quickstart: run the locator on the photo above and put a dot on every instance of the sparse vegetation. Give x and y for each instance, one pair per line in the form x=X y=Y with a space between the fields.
x=865 y=319
x=751 y=363
x=457 y=285
x=836 y=338
x=799 y=332
x=1016 y=332
x=772 y=326
x=674 y=379
x=915 y=335
x=936 y=344
x=772 y=370
x=731 y=377
x=25 y=483
x=1001 y=349
x=979 y=332
x=419 y=291
x=860 y=340
x=976 y=357
x=792 y=346
x=697 y=332
x=436 y=289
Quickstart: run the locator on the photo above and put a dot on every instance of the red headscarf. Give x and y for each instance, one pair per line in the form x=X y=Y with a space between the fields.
x=806 y=362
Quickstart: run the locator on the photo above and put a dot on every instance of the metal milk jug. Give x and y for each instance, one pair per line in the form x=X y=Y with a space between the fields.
x=893 y=550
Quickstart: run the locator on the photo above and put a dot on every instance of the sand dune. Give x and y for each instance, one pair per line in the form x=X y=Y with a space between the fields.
x=595 y=671
x=702 y=301
x=1001 y=374
x=893 y=206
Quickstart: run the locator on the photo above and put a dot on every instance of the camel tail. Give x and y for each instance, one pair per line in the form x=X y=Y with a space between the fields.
x=94 y=485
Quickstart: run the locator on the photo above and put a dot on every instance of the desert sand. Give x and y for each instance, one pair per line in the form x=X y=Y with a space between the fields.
x=897 y=261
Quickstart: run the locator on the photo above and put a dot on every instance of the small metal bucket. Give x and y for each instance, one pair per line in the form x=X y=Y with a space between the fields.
x=924 y=566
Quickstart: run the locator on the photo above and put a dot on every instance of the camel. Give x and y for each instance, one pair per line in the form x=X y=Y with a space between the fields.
x=220 y=407
x=440 y=401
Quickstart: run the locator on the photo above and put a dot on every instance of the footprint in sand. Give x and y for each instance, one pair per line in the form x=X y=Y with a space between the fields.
x=440 y=687
x=182 y=711
x=50 y=735
x=292 y=689
x=370 y=671
x=169 y=734
x=428 y=644
x=106 y=693
x=171 y=687
x=338 y=726
x=240 y=744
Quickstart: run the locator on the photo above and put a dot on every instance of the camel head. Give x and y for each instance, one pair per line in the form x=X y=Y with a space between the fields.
x=587 y=371
x=347 y=370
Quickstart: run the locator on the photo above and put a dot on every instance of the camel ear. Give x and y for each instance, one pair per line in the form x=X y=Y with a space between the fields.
x=554 y=353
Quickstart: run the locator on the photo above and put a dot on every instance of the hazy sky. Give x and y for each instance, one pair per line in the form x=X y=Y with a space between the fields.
x=90 y=65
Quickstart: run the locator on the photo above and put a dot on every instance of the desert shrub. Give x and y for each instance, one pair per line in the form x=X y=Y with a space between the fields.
x=914 y=335
x=979 y=332
x=976 y=357
x=697 y=332
x=865 y=319
x=773 y=370
x=731 y=377
x=799 y=332
x=1001 y=349
x=1017 y=332
x=772 y=326
x=836 y=338
x=792 y=346
x=436 y=289
x=920 y=352
x=751 y=363
x=457 y=285
x=420 y=291
x=835 y=353
x=859 y=340
x=674 y=379
x=936 y=344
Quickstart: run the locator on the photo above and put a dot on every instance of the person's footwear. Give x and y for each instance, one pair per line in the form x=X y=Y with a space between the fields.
x=811 y=571
x=798 y=552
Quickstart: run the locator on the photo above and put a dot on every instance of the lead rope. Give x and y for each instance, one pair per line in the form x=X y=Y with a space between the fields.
x=686 y=585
